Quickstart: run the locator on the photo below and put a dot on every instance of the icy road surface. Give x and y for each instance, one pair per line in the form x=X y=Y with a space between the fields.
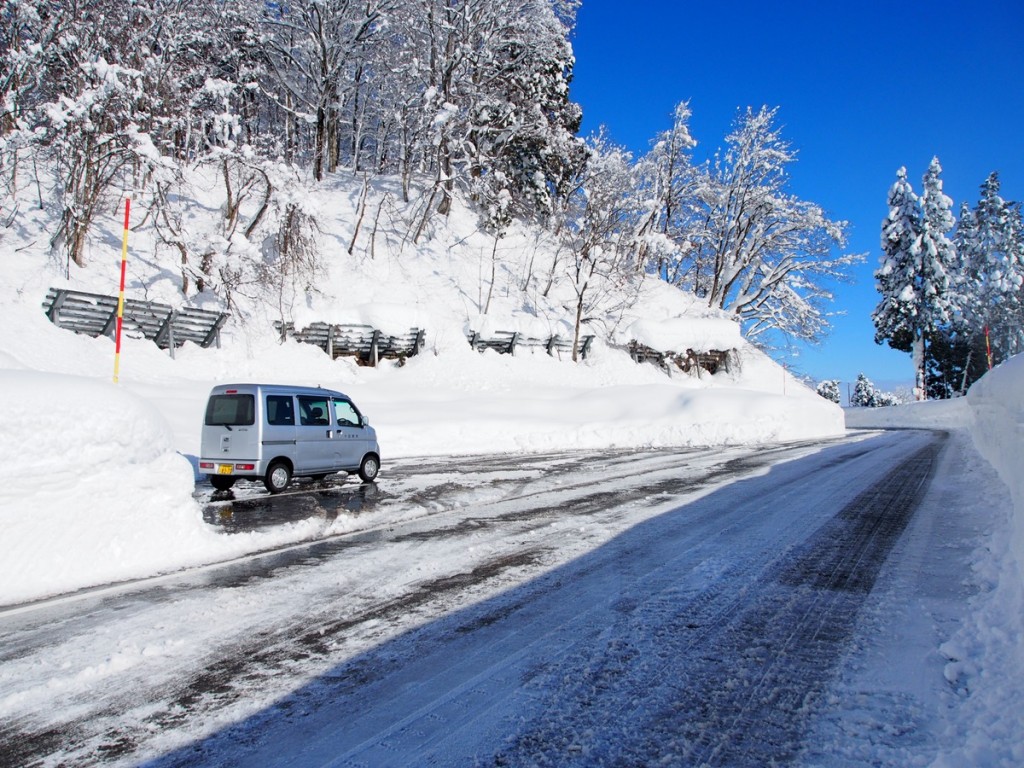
x=664 y=607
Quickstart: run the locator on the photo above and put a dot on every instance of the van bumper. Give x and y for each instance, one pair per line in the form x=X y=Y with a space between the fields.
x=231 y=467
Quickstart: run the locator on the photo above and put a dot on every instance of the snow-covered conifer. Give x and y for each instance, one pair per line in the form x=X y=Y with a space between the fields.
x=991 y=241
x=864 y=394
x=829 y=389
x=917 y=257
x=938 y=254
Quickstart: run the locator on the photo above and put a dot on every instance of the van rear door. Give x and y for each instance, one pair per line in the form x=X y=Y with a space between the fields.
x=230 y=433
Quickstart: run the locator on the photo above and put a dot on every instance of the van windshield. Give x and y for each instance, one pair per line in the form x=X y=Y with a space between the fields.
x=231 y=411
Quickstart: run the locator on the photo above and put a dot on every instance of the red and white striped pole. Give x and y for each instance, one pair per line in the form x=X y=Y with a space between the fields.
x=988 y=348
x=120 y=295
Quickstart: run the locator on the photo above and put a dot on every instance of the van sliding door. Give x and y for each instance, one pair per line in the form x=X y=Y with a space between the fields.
x=316 y=437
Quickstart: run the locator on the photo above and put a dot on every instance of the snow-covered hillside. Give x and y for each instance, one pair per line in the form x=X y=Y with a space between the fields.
x=96 y=476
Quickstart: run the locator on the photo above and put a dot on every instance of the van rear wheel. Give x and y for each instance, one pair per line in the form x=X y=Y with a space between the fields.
x=279 y=474
x=369 y=468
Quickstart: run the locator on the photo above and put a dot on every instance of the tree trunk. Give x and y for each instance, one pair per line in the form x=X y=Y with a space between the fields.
x=319 y=142
x=361 y=213
x=920 y=388
x=578 y=325
x=494 y=270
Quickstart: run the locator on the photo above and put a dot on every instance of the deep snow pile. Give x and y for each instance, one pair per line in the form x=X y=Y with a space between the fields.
x=993 y=412
x=997 y=404
x=96 y=484
x=985 y=656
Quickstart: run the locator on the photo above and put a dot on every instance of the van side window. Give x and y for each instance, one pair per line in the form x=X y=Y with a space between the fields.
x=280 y=411
x=231 y=411
x=314 y=411
x=346 y=414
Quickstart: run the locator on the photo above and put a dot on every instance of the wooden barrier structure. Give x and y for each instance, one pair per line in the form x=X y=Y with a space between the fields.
x=690 y=361
x=506 y=343
x=364 y=342
x=94 y=314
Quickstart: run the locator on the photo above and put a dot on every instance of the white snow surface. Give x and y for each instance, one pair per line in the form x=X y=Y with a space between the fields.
x=83 y=456
x=97 y=478
x=984 y=658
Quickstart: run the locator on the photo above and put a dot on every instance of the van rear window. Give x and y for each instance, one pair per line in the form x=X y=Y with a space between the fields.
x=231 y=411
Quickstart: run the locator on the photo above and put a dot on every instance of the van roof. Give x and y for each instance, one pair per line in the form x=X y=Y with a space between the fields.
x=274 y=389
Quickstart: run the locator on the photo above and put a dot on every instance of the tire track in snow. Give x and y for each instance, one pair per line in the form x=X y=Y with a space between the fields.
x=233 y=671
x=737 y=675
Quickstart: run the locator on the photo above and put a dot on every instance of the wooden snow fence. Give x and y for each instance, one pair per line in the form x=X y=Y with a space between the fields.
x=363 y=342
x=507 y=342
x=691 y=361
x=94 y=314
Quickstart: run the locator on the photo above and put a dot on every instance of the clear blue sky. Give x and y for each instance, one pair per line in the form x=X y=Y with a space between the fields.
x=862 y=89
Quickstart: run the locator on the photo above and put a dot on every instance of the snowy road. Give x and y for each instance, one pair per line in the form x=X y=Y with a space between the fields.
x=666 y=607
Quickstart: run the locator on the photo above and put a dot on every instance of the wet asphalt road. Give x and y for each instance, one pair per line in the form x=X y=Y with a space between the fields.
x=780 y=633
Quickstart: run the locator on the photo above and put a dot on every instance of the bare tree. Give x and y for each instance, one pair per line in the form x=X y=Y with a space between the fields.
x=317 y=48
x=599 y=233
x=756 y=250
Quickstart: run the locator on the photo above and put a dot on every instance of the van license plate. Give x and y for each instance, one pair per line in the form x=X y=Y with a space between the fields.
x=224 y=469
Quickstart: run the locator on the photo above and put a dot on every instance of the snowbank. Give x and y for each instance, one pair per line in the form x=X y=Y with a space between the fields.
x=993 y=412
x=985 y=656
x=89 y=473
x=93 y=491
x=997 y=404
x=679 y=334
x=929 y=414
x=96 y=483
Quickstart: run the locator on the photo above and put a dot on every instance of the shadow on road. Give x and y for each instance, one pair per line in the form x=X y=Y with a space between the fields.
x=636 y=653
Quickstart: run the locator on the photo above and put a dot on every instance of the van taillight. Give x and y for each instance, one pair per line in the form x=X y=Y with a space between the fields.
x=245 y=466
x=230 y=391
x=206 y=465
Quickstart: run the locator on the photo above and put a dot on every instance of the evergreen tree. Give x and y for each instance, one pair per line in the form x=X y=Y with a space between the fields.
x=938 y=253
x=914 y=278
x=991 y=244
x=864 y=395
x=829 y=389
x=956 y=359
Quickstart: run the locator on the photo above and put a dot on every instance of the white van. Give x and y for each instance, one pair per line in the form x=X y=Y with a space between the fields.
x=274 y=433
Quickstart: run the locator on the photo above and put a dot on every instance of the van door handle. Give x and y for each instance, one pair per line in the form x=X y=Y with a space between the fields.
x=328 y=433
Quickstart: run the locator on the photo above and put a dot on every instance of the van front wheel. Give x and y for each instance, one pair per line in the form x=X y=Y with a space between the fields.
x=279 y=474
x=369 y=468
